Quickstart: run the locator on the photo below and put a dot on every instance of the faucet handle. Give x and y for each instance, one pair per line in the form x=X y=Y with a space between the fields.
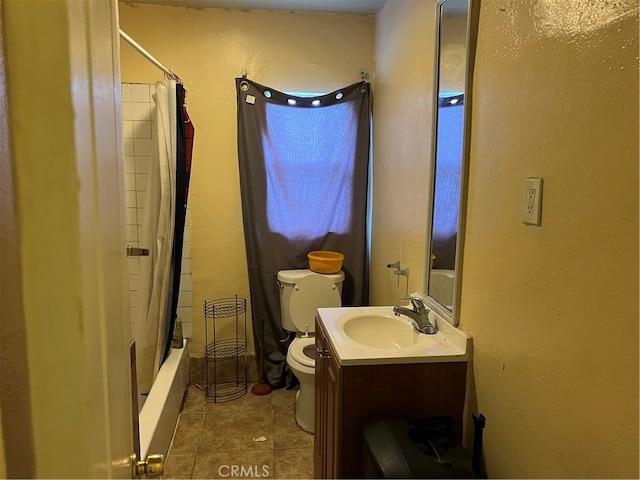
x=417 y=303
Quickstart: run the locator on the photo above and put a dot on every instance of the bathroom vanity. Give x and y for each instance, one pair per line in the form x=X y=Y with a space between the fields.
x=410 y=377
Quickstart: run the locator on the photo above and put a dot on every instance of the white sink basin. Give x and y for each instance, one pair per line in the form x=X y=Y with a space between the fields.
x=378 y=331
x=375 y=336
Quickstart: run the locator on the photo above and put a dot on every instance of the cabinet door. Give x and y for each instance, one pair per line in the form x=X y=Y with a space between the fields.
x=320 y=441
x=333 y=417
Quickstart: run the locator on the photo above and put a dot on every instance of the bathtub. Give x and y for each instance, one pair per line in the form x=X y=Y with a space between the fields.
x=159 y=413
x=441 y=285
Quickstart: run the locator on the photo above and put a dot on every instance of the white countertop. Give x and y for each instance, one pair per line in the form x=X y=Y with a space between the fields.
x=449 y=344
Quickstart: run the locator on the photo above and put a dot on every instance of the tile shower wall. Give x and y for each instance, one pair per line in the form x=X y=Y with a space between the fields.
x=138 y=111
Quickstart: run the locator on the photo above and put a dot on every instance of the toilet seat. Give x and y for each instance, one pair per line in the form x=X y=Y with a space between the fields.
x=297 y=351
x=309 y=294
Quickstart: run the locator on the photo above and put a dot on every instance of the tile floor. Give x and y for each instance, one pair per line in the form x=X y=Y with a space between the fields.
x=216 y=440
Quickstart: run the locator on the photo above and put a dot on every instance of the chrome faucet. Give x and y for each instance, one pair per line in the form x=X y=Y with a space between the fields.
x=419 y=315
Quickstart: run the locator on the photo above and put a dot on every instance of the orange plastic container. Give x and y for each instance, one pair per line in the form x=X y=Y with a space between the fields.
x=325 y=261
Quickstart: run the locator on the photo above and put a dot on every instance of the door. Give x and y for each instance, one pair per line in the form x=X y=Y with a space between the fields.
x=65 y=319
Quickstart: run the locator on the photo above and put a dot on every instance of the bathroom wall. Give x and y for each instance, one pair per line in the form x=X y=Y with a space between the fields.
x=138 y=132
x=553 y=310
x=208 y=49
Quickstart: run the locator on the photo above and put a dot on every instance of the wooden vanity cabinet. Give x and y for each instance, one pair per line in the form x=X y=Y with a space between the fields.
x=349 y=397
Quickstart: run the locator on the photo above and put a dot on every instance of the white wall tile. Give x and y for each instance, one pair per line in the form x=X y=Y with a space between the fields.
x=133 y=282
x=143 y=163
x=185 y=268
x=133 y=265
x=141 y=198
x=186 y=250
x=142 y=128
x=132 y=235
x=130 y=199
x=184 y=314
x=128 y=146
x=142 y=179
x=133 y=298
x=130 y=183
x=129 y=163
x=143 y=260
x=143 y=146
x=127 y=129
x=140 y=220
x=128 y=111
x=185 y=282
x=187 y=329
x=141 y=111
x=126 y=92
x=132 y=216
x=185 y=299
x=140 y=92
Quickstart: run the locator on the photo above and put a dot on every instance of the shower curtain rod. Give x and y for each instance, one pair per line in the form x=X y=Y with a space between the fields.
x=147 y=55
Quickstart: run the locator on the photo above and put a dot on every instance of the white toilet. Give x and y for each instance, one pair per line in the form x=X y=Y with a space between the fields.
x=302 y=292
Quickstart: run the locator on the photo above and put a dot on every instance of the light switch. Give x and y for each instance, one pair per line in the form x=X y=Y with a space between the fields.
x=532 y=201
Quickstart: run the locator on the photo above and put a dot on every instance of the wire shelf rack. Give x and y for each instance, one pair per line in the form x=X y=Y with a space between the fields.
x=226 y=358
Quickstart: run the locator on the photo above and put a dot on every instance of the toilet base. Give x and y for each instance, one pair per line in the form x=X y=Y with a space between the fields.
x=304 y=370
x=295 y=414
x=304 y=411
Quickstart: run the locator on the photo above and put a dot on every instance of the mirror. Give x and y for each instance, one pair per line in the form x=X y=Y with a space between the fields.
x=456 y=28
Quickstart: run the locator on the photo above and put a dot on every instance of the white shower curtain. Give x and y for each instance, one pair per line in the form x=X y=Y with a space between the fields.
x=157 y=232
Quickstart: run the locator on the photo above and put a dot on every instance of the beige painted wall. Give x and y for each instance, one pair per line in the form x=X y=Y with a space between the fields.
x=553 y=310
x=208 y=49
x=402 y=116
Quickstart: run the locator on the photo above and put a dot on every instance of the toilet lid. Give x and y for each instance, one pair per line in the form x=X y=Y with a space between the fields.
x=303 y=351
x=310 y=293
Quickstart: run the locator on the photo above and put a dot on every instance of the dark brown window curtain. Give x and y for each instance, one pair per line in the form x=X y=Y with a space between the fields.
x=304 y=164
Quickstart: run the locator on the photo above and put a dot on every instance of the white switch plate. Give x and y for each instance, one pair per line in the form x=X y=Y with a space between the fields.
x=532 y=201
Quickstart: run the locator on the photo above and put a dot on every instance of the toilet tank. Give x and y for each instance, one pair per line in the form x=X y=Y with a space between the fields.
x=298 y=305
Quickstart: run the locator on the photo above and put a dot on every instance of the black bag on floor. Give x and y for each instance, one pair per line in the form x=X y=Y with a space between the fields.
x=422 y=448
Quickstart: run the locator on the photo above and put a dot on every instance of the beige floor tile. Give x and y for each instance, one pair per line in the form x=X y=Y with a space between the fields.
x=179 y=466
x=214 y=438
x=242 y=464
x=188 y=433
x=230 y=436
x=294 y=463
x=283 y=398
x=287 y=434
x=194 y=401
x=235 y=425
x=248 y=417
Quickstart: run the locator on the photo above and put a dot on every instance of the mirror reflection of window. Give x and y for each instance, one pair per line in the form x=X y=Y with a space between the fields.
x=447 y=185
